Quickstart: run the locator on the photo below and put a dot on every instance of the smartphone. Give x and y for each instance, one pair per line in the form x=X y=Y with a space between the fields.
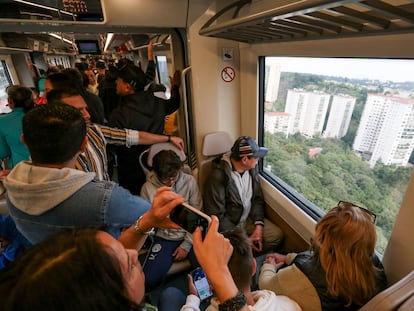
x=201 y=284
x=189 y=218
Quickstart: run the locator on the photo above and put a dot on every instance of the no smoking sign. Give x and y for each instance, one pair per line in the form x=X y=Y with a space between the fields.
x=228 y=74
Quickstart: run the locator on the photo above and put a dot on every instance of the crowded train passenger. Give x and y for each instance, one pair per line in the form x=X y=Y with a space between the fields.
x=100 y=67
x=48 y=195
x=232 y=192
x=40 y=83
x=91 y=82
x=72 y=79
x=98 y=273
x=94 y=158
x=38 y=100
x=139 y=110
x=20 y=101
x=242 y=266
x=169 y=244
x=107 y=91
x=92 y=100
x=340 y=272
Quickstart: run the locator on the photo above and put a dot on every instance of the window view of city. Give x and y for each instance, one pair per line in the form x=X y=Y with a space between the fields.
x=341 y=129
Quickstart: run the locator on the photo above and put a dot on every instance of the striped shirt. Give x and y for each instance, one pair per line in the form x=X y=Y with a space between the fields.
x=94 y=158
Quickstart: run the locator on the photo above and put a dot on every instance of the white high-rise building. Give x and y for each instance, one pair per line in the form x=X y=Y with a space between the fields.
x=309 y=106
x=339 y=116
x=272 y=82
x=386 y=130
x=277 y=122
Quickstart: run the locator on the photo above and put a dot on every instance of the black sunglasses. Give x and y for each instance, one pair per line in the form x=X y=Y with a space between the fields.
x=371 y=214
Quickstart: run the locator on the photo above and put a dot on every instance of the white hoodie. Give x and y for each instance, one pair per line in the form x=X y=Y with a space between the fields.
x=265 y=300
x=28 y=185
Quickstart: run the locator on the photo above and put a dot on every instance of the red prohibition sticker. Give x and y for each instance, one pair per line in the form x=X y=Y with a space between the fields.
x=228 y=74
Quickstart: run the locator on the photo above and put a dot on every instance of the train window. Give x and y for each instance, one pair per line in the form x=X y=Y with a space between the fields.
x=340 y=129
x=5 y=81
x=162 y=70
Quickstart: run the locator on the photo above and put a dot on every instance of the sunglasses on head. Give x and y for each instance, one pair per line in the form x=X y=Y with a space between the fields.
x=371 y=214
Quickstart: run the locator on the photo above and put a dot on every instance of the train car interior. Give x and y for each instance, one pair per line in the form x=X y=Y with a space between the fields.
x=246 y=67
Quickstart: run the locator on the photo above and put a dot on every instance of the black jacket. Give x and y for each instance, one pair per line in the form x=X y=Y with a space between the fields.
x=144 y=111
x=221 y=196
x=311 y=267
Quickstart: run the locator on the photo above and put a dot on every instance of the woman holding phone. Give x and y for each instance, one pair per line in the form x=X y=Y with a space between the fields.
x=98 y=273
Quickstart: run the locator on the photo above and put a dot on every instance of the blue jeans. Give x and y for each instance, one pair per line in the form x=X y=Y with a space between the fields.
x=171 y=299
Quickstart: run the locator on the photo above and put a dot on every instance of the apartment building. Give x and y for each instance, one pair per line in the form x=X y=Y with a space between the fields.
x=340 y=114
x=386 y=130
x=277 y=122
x=272 y=79
x=310 y=106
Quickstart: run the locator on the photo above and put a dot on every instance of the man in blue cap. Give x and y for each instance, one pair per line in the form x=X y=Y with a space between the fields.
x=233 y=193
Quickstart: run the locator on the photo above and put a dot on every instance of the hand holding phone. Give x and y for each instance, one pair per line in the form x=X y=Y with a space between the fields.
x=189 y=218
x=201 y=284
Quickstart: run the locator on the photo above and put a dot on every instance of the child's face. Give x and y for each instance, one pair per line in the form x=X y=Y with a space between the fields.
x=169 y=180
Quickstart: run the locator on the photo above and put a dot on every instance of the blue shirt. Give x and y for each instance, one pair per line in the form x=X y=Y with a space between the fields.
x=10 y=131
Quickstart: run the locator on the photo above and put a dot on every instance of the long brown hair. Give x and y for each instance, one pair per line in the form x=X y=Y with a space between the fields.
x=344 y=242
x=69 y=271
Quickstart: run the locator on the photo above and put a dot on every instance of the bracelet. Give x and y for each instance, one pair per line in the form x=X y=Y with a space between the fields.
x=139 y=230
x=234 y=304
x=169 y=138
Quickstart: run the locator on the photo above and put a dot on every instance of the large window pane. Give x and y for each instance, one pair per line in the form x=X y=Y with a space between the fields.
x=5 y=81
x=341 y=129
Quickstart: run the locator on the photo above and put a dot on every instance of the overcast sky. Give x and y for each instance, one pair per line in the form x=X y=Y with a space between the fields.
x=380 y=69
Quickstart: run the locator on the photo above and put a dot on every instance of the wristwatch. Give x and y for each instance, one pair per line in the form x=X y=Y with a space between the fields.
x=140 y=231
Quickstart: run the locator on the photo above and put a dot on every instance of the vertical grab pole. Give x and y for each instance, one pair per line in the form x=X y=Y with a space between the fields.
x=185 y=102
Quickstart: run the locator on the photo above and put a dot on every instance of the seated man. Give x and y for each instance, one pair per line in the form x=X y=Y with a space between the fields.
x=169 y=245
x=232 y=192
x=94 y=158
x=242 y=267
x=48 y=194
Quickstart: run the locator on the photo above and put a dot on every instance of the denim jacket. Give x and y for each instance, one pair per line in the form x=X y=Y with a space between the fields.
x=43 y=201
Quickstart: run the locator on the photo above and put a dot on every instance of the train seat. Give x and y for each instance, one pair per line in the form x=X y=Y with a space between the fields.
x=214 y=145
x=145 y=159
x=397 y=297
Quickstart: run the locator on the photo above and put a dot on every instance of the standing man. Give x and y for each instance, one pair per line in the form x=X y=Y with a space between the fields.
x=139 y=110
x=233 y=193
x=94 y=158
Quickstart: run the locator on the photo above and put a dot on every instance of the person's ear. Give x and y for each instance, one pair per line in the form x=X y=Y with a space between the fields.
x=254 y=266
x=84 y=143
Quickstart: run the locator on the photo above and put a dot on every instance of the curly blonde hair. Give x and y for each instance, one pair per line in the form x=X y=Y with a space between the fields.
x=344 y=242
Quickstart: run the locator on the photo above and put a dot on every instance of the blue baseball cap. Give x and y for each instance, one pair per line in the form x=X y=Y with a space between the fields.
x=246 y=146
